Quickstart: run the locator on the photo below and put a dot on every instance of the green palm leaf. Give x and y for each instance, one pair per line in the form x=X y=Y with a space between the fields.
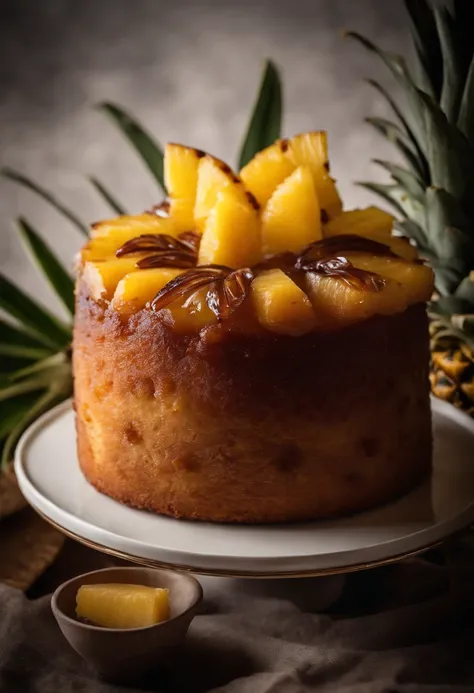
x=418 y=159
x=140 y=140
x=427 y=46
x=265 y=124
x=466 y=110
x=452 y=79
x=49 y=265
x=406 y=179
x=395 y=135
x=47 y=329
x=19 y=344
x=47 y=196
x=21 y=419
x=385 y=192
x=115 y=206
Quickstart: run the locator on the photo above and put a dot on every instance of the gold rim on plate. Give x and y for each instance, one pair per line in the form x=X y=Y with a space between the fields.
x=322 y=572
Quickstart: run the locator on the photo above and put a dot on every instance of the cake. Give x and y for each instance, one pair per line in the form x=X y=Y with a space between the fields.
x=247 y=351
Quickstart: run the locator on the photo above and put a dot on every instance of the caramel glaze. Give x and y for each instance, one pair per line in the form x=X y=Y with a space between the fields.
x=228 y=288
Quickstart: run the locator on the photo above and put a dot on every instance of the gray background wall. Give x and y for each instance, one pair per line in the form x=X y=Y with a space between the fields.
x=189 y=70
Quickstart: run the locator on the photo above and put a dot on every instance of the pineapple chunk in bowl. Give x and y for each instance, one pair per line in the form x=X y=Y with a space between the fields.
x=127 y=656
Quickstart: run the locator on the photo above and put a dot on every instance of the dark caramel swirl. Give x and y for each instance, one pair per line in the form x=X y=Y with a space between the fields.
x=327 y=257
x=226 y=288
x=165 y=251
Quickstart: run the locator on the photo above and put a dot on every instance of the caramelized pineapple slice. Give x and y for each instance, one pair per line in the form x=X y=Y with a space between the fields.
x=291 y=220
x=232 y=235
x=267 y=170
x=137 y=225
x=281 y=306
x=214 y=176
x=135 y=290
x=105 y=247
x=371 y=223
x=181 y=175
x=122 y=606
x=335 y=302
x=311 y=149
x=102 y=277
x=361 y=222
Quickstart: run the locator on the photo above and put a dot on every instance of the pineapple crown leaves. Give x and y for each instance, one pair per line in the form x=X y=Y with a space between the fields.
x=34 y=344
x=434 y=192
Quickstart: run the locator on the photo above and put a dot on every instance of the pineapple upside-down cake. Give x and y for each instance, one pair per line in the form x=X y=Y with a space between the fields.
x=247 y=351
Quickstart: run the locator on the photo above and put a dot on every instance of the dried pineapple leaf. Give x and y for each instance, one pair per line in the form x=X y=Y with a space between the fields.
x=166 y=251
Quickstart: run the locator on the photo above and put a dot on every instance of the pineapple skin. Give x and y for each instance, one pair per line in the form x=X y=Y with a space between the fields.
x=247 y=429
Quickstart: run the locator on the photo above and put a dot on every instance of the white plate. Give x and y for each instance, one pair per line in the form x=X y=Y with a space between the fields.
x=49 y=476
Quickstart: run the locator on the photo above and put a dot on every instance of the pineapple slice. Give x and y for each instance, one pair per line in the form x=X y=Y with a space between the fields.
x=103 y=277
x=123 y=606
x=135 y=290
x=362 y=222
x=181 y=175
x=105 y=247
x=291 y=220
x=371 y=223
x=232 y=234
x=335 y=302
x=267 y=170
x=281 y=306
x=137 y=225
x=311 y=149
x=214 y=176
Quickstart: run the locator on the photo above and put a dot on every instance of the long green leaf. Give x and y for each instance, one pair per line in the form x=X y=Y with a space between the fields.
x=107 y=196
x=452 y=79
x=40 y=382
x=42 y=404
x=44 y=325
x=49 y=363
x=14 y=336
x=51 y=268
x=397 y=137
x=23 y=352
x=427 y=45
x=13 y=412
x=385 y=192
x=449 y=236
x=403 y=177
x=140 y=140
x=265 y=124
x=398 y=67
x=419 y=161
x=465 y=291
x=450 y=153
x=466 y=110
x=47 y=196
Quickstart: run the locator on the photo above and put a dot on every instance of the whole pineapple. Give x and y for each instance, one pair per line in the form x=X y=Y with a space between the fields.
x=433 y=191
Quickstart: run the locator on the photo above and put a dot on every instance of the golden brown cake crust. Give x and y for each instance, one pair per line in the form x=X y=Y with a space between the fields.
x=251 y=429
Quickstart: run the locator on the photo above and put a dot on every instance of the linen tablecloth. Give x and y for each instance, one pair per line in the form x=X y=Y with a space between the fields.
x=406 y=628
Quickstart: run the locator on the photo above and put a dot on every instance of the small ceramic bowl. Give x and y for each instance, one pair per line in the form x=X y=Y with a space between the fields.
x=128 y=655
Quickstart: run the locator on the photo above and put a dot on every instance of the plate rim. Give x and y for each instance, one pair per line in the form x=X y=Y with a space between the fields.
x=382 y=553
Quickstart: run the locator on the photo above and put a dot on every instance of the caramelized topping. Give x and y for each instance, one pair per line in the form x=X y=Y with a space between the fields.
x=325 y=257
x=165 y=250
x=226 y=288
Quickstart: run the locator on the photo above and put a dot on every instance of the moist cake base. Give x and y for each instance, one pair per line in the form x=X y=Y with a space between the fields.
x=251 y=429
